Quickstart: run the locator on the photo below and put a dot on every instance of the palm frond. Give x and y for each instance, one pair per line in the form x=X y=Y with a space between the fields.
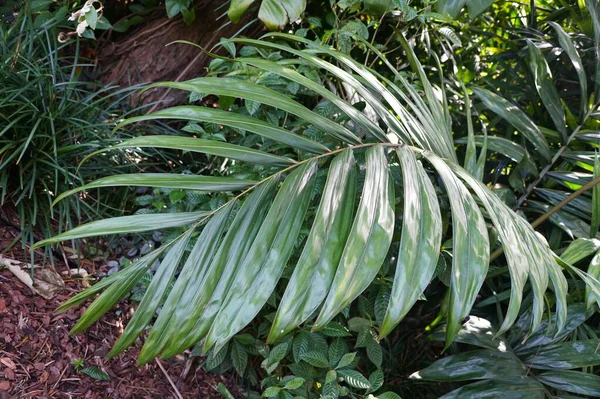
x=234 y=267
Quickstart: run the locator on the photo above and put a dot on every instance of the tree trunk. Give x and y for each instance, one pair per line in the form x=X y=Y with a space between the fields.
x=142 y=55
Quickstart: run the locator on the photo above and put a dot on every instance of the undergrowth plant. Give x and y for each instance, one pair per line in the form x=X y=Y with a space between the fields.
x=50 y=118
x=362 y=245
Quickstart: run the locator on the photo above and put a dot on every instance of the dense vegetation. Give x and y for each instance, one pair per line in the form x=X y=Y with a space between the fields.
x=391 y=199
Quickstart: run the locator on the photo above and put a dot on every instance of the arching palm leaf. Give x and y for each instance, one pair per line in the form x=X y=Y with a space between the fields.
x=234 y=266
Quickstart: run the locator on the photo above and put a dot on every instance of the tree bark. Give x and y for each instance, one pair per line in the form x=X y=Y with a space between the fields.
x=144 y=56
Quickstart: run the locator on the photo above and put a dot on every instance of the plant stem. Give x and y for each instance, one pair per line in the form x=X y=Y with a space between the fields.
x=554 y=209
x=557 y=155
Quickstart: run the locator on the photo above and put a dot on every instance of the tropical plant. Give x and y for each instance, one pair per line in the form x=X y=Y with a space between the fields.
x=244 y=246
x=522 y=365
x=49 y=120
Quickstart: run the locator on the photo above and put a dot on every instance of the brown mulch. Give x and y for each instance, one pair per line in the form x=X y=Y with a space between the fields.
x=36 y=353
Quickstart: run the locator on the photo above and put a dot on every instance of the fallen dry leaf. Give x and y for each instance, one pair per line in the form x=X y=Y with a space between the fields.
x=8 y=363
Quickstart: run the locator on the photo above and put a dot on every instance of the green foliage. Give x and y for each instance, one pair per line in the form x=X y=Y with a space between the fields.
x=96 y=373
x=234 y=288
x=518 y=364
x=48 y=121
x=358 y=168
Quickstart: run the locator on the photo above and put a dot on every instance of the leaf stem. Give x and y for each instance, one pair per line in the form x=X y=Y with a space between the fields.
x=278 y=173
x=554 y=209
x=533 y=184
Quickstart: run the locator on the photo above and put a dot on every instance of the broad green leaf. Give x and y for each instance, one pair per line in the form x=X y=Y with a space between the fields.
x=368 y=241
x=499 y=144
x=595 y=224
x=476 y=7
x=346 y=360
x=264 y=263
x=126 y=224
x=567 y=45
x=294 y=383
x=505 y=388
x=251 y=91
x=95 y=372
x=191 y=322
x=239 y=357
x=450 y=8
x=330 y=377
x=337 y=349
x=471 y=252
x=517 y=118
x=237 y=8
x=594 y=10
x=476 y=331
x=271 y=392
x=210 y=147
x=566 y=355
x=378 y=7
x=572 y=381
x=334 y=329
x=320 y=257
x=277 y=13
x=167 y=180
x=376 y=378
x=594 y=271
x=238 y=121
x=300 y=345
x=374 y=352
x=174 y=7
x=473 y=365
x=191 y=276
x=153 y=296
x=546 y=88
x=354 y=379
x=278 y=353
x=420 y=241
x=571 y=180
x=316 y=359
x=91 y=17
x=547 y=332
x=579 y=249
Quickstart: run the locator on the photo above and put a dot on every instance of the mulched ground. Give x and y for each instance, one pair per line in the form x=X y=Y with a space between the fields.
x=36 y=352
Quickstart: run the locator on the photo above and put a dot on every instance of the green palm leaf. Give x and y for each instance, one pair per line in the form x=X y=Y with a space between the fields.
x=234 y=267
x=320 y=257
x=420 y=243
x=368 y=241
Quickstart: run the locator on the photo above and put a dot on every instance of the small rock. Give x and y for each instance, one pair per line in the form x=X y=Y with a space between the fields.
x=113 y=270
x=147 y=247
x=132 y=252
x=112 y=263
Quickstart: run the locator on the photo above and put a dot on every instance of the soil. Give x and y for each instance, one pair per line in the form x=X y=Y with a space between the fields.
x=36 y=351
